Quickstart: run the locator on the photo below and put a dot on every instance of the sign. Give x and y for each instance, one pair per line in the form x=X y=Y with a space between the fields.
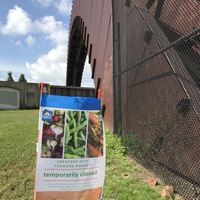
x=71 y=149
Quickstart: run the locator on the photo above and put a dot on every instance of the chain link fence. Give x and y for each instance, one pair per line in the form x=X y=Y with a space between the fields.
x=156 y=59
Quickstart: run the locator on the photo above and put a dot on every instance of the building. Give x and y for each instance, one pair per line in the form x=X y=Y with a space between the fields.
x=145 y=59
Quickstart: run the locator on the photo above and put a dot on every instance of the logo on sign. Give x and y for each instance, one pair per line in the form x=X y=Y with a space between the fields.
x=47 y=115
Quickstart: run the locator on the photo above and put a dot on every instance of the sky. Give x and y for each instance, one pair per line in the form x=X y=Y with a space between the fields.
x=34 y=40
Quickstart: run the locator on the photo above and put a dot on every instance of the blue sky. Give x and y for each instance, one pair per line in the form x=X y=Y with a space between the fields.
x=34 y=39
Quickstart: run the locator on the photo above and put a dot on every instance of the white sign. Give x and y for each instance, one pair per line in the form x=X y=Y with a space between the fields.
x=71 y=154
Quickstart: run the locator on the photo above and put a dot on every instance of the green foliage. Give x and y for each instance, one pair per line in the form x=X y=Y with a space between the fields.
x=122 y=181
x=132 y=144
x=22 y=78
x=10 y=78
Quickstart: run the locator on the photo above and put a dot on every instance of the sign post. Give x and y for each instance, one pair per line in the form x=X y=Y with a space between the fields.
x=71 y=149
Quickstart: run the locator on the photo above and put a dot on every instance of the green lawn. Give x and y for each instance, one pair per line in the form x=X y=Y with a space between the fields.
x=18 y=137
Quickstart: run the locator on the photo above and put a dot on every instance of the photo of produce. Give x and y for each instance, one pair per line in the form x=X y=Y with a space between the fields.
x=95 y=135
x=75 y=134
x=53 y=134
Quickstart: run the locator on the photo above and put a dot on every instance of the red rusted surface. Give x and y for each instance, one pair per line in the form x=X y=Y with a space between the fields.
x=96 y=26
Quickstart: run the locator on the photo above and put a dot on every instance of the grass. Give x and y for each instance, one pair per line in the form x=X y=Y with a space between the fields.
x=18 y=137
x=123 y=181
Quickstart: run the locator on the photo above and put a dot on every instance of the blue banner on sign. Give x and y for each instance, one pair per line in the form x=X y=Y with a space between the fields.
x=65 y=102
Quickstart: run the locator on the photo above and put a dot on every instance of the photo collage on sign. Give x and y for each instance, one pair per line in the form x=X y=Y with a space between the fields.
x=71 y=134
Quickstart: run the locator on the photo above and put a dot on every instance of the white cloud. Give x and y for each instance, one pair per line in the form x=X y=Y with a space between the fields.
x=18 y=22
x=47 y=24
x=59 y=37
x=50 y=68
x=30 y=41
x=54 y=30
x=45 y=3
x=18 y=42
x=63 y=6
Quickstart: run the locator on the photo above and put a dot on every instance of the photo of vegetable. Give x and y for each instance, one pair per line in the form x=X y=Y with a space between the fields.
x=95 y=135
x=53 y=135
x=75 y=134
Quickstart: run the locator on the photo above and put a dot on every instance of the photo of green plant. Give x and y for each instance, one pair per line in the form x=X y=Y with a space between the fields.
x=75 y=134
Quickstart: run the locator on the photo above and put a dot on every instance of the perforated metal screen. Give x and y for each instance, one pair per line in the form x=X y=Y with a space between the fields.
x=156 y=59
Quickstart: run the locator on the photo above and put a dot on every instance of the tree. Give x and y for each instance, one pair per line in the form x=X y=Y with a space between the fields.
x=22 y=78
x=10 y=78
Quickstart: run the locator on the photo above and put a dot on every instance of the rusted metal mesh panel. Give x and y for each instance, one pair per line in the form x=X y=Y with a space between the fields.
x=156 y=63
